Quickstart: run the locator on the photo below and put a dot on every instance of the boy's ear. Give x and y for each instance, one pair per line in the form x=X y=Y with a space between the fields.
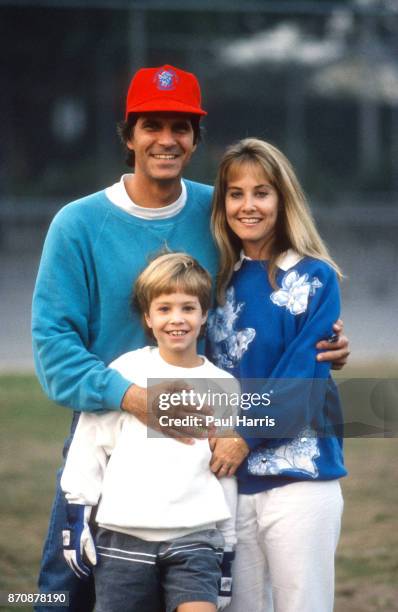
x=147 y=320
x=202 y=332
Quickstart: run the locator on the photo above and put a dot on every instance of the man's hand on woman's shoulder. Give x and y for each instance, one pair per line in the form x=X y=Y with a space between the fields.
x=336 y=349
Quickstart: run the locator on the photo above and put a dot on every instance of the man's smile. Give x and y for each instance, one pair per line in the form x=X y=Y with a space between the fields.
x=166 y=156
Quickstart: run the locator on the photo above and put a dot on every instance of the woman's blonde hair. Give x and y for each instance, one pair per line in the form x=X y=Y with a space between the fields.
x=295 y=227
x=171 y=273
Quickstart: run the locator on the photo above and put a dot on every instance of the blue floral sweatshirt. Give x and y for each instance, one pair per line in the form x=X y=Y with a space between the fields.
x=266 y=337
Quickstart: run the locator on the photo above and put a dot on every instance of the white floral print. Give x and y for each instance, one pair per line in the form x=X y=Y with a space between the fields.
x=298 y=455
x=228 y=344
x=295 y=291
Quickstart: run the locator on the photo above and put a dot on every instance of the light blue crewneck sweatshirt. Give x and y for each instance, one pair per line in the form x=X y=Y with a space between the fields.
x=81 y=315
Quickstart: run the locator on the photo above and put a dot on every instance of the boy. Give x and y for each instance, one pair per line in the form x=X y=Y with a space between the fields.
x=157 y=538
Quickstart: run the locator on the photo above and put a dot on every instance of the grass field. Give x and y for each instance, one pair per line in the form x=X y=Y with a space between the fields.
x=31 y=438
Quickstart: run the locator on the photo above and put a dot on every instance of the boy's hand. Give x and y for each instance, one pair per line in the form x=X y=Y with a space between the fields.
x=335 y=349
x=78 y=541
x=225 y=586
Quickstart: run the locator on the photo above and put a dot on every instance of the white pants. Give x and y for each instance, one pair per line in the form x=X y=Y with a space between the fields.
x=287 y=538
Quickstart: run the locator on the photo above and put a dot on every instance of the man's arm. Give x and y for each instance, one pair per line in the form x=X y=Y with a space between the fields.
x=62 y=321
x=69 y=373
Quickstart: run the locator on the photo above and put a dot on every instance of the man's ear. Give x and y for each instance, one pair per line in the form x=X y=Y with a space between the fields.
x=204 y=317
x=130 y=140
x=147 y=320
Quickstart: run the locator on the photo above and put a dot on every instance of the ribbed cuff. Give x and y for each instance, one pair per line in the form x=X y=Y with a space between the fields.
x=114 y=391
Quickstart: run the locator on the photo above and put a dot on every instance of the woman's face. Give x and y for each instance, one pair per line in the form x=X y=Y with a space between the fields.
x=251 y=206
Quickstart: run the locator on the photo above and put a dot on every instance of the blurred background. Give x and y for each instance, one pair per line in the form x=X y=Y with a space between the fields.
x=318 y=79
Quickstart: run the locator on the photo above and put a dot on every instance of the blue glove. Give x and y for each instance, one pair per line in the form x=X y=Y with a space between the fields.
x=77 y=540
x=225 y=586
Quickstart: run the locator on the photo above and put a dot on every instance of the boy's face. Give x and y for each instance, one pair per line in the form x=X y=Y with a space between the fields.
x=176 y=320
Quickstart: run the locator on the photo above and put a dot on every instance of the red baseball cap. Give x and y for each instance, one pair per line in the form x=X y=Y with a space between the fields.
x=164 y=89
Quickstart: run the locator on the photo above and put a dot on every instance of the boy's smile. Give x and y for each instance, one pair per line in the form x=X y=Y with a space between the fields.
x=176 y=320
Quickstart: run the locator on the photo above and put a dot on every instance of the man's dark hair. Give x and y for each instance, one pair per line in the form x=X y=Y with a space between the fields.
x=125 y=128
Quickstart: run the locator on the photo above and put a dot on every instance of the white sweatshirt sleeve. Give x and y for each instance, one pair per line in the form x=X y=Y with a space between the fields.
x=228 y=527
x=92 y=444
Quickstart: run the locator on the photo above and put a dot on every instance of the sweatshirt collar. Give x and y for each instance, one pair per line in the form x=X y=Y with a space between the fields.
x=285 y=261
x=240 y=261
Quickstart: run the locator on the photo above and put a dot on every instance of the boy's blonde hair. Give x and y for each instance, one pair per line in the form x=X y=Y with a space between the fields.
x=295 y=227
x=172 y=273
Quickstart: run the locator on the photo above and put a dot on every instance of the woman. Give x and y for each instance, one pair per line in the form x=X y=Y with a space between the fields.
x=278 y=294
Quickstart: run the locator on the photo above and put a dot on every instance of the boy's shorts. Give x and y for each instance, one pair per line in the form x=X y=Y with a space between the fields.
x=136 y=575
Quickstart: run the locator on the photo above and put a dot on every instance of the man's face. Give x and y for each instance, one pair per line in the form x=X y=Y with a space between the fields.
x=163 y=144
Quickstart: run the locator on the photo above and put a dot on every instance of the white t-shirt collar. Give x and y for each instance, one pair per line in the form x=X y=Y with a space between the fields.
x=118 y=195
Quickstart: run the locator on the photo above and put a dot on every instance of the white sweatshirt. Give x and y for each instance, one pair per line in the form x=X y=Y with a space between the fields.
x=154 y=488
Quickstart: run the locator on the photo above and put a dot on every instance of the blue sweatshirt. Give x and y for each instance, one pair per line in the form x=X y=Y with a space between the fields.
x=82 y=319
x=270 y=334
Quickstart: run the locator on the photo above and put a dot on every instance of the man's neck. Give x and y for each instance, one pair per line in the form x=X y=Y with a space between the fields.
x=152 y=194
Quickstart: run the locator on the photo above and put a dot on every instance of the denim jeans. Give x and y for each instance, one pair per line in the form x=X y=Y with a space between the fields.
x=55 y=574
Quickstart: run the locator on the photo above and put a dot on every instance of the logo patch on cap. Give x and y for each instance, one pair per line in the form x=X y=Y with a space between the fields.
x=166 y=79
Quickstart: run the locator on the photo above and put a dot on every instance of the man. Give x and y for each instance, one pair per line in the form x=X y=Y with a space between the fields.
x=93 y=252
